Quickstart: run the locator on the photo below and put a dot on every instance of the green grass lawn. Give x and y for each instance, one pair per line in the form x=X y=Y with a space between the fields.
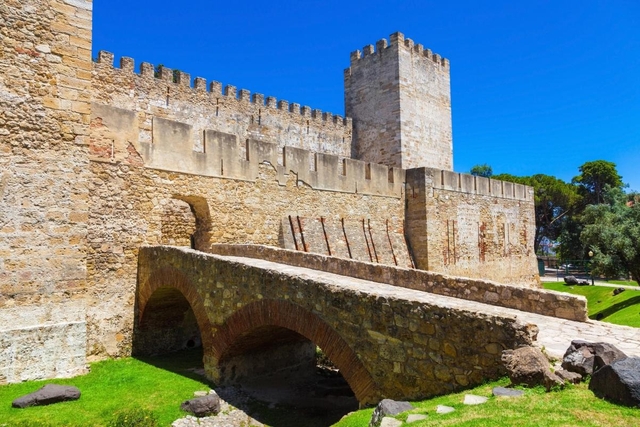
x=111 y=386
x=621 y=309
x=574 y=406
x=160 y=386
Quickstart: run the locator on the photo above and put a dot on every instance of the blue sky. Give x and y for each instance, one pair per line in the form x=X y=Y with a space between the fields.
x=537 y=86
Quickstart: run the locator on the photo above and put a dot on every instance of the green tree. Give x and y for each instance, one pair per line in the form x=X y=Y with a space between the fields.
x=571 y=247
x=554 y=200
x=612 y=231
x=483 y=170
x=593 y=179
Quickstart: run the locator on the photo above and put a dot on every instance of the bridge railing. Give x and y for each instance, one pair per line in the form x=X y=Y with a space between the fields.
x=549 y=303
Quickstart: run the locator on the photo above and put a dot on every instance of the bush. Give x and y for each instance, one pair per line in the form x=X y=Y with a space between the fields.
x=134 y=418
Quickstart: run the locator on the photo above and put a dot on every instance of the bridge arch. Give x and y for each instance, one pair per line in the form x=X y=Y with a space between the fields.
x=280 y=314
x=167 y=293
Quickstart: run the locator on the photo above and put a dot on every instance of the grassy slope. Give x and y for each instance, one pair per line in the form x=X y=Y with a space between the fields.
x=574 y=406
x=111 y=386
x=621 y=309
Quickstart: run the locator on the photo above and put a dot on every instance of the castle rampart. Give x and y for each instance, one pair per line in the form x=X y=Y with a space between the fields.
x=464 y=225
x=168 y=94
x=98 y=161
x=45 y=90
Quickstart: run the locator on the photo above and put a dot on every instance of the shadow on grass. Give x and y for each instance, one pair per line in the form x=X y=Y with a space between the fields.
x=603 y=314
x=305 y=408
x=187 y=363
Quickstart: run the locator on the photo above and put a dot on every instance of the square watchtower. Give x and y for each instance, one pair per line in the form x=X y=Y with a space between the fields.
x=399 y=98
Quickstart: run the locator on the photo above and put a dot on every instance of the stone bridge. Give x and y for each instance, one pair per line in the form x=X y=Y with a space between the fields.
x=256 y=317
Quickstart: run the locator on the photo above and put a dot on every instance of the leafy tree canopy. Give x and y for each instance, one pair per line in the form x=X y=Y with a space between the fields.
x=594 y=177
x=553 y=198
x=612 y=231
x=483 y=170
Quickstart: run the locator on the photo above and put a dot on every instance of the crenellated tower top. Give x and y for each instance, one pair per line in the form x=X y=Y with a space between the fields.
x=398 y=95
x=398 y=39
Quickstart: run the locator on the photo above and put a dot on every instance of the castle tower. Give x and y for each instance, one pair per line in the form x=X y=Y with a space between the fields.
x=45 y=92
x=399 y=98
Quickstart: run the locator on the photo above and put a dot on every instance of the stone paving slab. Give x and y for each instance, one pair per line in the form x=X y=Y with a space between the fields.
x=554 y=335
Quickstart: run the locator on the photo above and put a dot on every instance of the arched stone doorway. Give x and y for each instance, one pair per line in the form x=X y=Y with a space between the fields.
x=185 y=221
x=178 y=223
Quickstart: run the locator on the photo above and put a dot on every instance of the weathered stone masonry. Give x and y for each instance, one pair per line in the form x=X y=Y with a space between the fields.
x=386 y=345
x=399 y=98
x=470 y=226
x=204 y=107
x=97 y=161
x=45 y=91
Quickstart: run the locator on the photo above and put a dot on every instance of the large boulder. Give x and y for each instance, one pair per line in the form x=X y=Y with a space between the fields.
x=618 y=382
x=585 y=357
x=568 y=377
x=50 y=393
x=202 y=406
x=571 y=280
x=388 y=407
x=529 y=366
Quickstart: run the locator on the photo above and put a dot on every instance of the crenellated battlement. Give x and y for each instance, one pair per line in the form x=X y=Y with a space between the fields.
x=472 y=184
x=180 y=80
x=397 y=40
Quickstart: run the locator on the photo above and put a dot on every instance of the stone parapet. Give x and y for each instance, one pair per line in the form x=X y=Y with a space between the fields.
x=472 y=184
x=172 y=147
x=548 y=303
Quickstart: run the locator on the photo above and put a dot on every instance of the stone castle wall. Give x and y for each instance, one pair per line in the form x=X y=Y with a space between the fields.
x=168 y=94
x=399 y=98
x=97 y=161
x=45 y=89
x=469 y=226
x=133 y=205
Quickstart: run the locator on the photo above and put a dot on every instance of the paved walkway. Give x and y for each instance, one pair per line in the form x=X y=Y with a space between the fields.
x=555 y=334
